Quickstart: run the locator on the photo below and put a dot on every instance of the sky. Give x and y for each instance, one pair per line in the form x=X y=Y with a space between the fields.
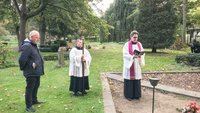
x=104 y=5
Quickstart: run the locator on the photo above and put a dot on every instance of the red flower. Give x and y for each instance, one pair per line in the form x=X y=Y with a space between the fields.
x=190 y=108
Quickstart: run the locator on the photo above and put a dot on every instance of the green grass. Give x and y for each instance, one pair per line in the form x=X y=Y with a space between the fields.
x=164 y=60
x=54 y=88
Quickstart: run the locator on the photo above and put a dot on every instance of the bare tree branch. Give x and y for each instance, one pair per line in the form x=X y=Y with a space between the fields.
x=42 y=6
x=16 y=6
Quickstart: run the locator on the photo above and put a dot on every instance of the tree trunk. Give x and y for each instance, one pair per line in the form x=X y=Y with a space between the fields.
x=42 y=30
x=184 y=20
x=22 y=30
x=17 y=33
x=154 y=50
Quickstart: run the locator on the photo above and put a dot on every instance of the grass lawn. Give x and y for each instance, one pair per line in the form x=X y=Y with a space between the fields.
x=54 y=87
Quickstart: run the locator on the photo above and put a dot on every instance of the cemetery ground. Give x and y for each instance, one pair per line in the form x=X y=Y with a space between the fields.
x=55 y=83
x=165 y=100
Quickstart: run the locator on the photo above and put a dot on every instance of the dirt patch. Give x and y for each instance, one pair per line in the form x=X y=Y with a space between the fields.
x=187 y=81
x=164 y=102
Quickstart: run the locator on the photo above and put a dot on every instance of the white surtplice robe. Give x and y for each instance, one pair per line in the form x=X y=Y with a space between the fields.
x=75 y=67
x=129 y=60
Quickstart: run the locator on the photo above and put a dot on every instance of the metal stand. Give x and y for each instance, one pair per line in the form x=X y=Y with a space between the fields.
x=154 y=81
x=153 y=99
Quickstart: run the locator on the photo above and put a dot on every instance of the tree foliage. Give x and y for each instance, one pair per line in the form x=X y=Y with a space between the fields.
x=193 y=13
x=26 y=10
x=122 y=15
x=8 y=16
x=57 y=17
x=157 y=23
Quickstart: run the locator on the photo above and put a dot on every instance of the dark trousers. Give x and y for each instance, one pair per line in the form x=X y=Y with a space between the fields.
x=32 y=85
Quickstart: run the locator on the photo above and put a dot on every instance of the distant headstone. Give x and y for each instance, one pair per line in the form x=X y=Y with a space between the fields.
x=61 y=60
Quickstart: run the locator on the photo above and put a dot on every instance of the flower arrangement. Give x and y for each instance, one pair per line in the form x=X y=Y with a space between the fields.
x=190 y=108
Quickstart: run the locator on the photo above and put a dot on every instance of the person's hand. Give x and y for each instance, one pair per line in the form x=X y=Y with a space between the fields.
x=83 y=58
x=34 y=65
x=136 y=56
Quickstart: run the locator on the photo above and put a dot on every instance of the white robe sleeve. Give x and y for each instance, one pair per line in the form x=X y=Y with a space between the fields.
x=128 y=59
x=142 y=60
x=88 y=58
x=71 y=61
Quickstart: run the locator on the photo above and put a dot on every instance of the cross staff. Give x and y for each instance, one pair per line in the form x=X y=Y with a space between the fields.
x=83 y=65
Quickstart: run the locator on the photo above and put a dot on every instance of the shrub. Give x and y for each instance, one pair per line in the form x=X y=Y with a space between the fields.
x=3 y=52
x=88 y=46
x=52 y=46
x=192 y=59
x=5 y=56
x=55 y=57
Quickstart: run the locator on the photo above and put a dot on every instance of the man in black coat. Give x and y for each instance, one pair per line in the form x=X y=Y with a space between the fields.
x=32 y=65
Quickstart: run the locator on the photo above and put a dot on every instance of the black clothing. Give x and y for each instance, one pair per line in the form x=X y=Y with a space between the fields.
x=33 y=84
x=77 y=85
x=134 y=43
x=132 y=89
x=79 y=48
x=30 y=54
x=30 y=109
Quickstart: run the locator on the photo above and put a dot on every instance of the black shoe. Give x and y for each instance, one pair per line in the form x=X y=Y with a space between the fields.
x=75 y=94
x=129 y=99
x=137 y=98
x=84 y=93
x=30 y=109
x=38 y=102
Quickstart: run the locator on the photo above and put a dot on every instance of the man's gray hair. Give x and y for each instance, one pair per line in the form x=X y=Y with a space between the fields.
x=33 y=33
x=133 y=32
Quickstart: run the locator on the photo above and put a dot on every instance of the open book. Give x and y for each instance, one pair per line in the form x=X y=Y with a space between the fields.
x=136 y=52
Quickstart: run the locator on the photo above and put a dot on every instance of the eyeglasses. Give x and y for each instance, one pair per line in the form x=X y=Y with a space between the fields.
x=135 y=37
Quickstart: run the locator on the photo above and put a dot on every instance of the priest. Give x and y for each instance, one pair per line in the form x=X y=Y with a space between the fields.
x=80 y=60
x=132 y=63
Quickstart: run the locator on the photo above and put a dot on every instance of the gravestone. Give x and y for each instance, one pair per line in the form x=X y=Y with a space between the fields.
x=61 y=53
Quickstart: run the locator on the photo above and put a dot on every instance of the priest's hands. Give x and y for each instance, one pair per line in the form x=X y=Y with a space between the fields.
x=83 y=58
x=136 y=56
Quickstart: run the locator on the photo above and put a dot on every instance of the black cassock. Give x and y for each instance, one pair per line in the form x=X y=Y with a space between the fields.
x=132 y=89
x=78 y=85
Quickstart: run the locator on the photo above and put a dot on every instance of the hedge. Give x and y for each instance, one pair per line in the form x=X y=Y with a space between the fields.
x=192 y=59
x=55 y=57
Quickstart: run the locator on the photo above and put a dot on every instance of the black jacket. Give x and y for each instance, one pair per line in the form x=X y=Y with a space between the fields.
x=29 y=55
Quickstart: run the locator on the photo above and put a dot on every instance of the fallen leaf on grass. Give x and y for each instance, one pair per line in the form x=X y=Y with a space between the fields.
x=8 y=95
x=19 y=90
x=65 y=105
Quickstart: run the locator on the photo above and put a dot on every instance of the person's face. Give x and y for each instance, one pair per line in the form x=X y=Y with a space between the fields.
x=134 y=38
x=79 y=43
x=35 y=38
